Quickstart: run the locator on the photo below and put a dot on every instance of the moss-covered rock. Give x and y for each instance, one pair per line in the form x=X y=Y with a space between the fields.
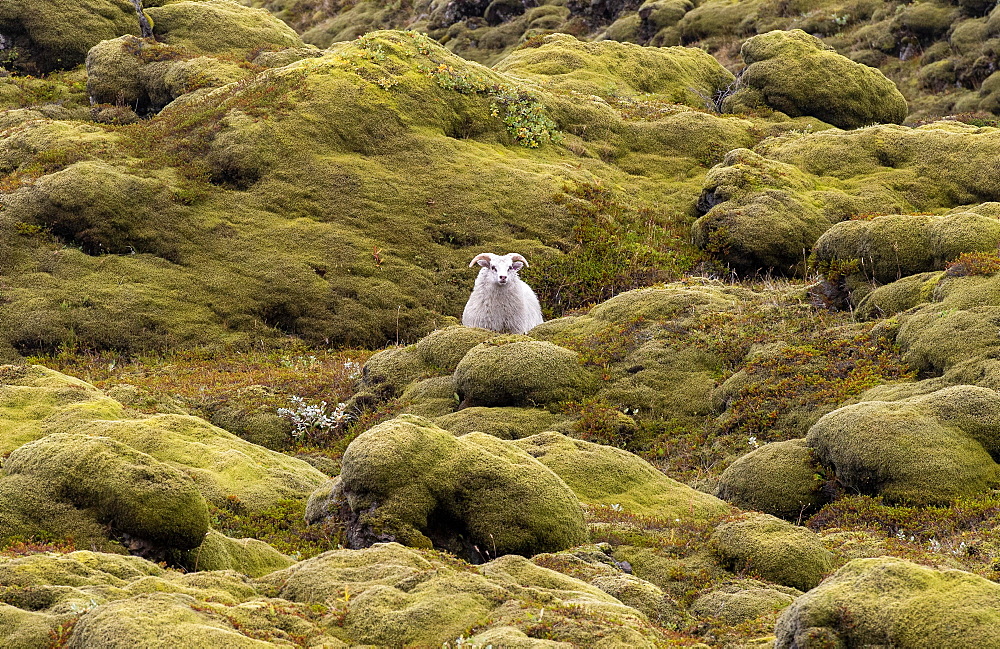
x=682 y=75
x=926 y=449
x=794 y=72
x=604 y=475
x=138 y=496
x=505 y=423
x=56 y=35
x=518 y=372
x=765 y=209
x=892 y=601
x=146 y=75
x=246 y=556
x=742 y=601
x=782 y=479
x=476 y=495
x=773 y=550
x=220 y=27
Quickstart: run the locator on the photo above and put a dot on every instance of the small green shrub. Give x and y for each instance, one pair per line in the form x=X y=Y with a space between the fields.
x=974 y=263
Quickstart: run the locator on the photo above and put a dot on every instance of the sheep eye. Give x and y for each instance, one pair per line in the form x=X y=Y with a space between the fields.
x=493 y=267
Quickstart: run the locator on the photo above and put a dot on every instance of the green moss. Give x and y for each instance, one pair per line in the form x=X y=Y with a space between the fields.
x=505 y=423
x=774 y=550
x=410 y=481
x=220 y=27
x=59 y=34
x=742 y=601
x=520 y=373
x=248 y=556
x=925 y=449
x=793 y=71
x=135 y=494
x=603 y=475
x=781 y=479
x=873 y=601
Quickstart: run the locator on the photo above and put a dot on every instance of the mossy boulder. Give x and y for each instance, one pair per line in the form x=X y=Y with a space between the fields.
x=926 y=449
x=505 y=423
x=682 y=75
x=741 y=601
x=140 y=497
x=797 y=74
x=56 y=35
x=782 y=479
x=103 y=209
x=146 y=75
x=604 y=475
x=887 y=248
x=478 y=496
x=516 y=372
x=246 y=556
x=766 y=208
x=890 y=299
x=220 y=27
x=32 y=395
x=893 y=601
x=773 y=550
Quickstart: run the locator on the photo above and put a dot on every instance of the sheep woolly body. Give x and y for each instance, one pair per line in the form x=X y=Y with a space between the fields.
x=500 y=301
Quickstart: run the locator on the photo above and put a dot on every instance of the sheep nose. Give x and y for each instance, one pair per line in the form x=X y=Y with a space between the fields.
x=503 y=278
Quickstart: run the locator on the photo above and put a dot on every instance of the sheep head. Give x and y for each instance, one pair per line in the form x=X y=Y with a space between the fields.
x=502 y=268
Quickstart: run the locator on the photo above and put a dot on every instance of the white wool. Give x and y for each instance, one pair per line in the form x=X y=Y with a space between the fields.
x=500 y=301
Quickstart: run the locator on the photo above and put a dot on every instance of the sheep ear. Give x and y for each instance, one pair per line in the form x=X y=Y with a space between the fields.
x=483 y=260
x=517 y=265
x=517 y=257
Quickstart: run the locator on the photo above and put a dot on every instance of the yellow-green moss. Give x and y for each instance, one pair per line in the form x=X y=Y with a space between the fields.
x=248 y=556
x=134 y=493
x=926 y=449
x=604 y=475
x=782 y=479
x=798 y=74
x=505 y=423
x=892 y=601
x=773 y=550
x=475 y=495
x=520 y=373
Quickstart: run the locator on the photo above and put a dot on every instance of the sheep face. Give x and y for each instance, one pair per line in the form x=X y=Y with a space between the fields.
x=502 y=269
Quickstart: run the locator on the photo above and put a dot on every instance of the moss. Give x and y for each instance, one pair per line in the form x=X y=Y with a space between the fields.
x=888 y=248
x=222 y=465
x=896 y=297
x=642 y=596
x=248 y=556
x=782 y=479
x=58 y=35
x=137 y=495
x=30 y=395
x=681 y=75
x=742 y=601
x=505 y=423
x=887 y=600
x=410 y=481
x=520 y=373
x=603 y=475
x=918 y=450
x=773 y=550
x=20 y=629
x=154 y=619
x=792 y=70
x=147 y=75
x=434 y=397
x=442 y=350
x=219 y=27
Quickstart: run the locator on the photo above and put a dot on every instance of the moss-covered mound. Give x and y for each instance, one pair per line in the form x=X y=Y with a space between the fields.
x=926 y=449
x=680 y=75
x=782 y=479
x=407 y=480
x=765 y=209
x=797 y=74
x=892 y=601
x=608 y=476
x=742 y=601
x=138 y=496
x=220 y=27
x=774 y=550
x=520 y=373
x=41 y=37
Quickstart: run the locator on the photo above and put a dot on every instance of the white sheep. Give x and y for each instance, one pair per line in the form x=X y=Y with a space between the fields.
x=500 y=301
